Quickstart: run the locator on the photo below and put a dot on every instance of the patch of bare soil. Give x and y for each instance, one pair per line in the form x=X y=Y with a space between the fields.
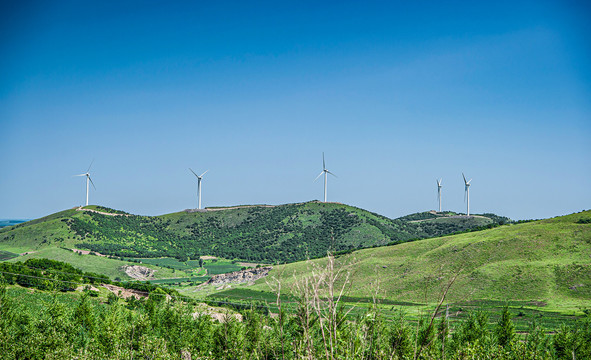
x=237 y=277
x=125 y=293
x=100 y=212
x=217 y=314
x=238 y=207
x=247 y=264
x=138 y=272
x=83 y=287
x=86 y=252
x=537 y=303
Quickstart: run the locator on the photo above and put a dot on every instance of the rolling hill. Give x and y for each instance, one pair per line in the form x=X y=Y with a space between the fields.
x=261 y=233
x=541 y=263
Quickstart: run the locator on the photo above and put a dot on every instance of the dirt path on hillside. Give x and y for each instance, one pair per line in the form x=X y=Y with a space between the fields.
x=100 y=212
x=265 y=206
x=86 y=252
x=451 y=217
x=125 y=293
x=239 y=207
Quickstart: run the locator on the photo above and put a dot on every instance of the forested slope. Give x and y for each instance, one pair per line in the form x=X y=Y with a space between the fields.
x=281 y=233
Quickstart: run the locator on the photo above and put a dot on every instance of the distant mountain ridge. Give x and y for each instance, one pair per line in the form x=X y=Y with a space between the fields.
x=261 y=233
x=11 y=222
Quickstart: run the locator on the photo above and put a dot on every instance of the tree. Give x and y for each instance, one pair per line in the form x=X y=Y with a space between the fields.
x=505 y=329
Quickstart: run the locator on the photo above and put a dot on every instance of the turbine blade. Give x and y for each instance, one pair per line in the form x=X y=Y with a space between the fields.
x=464 y=177
x=323 y=163
x=319 y=175
x=194 y=172
x=331 y=173
x=204 y=173
x=469 y=181
x=91 y=182
x=80 y=175
x=90 y=165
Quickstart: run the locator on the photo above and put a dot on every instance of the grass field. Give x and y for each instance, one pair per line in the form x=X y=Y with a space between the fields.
x=522 y=311
x=544 y=265
x=6 y=255
x=212 y=267
x=96 y=264
x=220 y=267
x=169 y=262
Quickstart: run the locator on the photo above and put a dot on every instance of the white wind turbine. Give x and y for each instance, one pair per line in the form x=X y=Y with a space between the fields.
x=88 y=179
x=439 y=186
x=199 y=177
x=467 y=194
x=325 y=172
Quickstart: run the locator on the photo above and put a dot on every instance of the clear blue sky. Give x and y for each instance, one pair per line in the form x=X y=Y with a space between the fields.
x=396 y=94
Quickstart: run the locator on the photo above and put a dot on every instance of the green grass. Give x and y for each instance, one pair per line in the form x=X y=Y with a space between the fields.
x=96 y=264
x=220 y=267
x=544 y=261
x=35 y=301
x=523 y=312
x=6 y=255
x=167 y=262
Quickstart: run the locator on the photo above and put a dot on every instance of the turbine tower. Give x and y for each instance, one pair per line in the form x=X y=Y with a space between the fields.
x=199 y=177
x=88 y=179
x=467 y=194
x=325 y=172
x=439 y=186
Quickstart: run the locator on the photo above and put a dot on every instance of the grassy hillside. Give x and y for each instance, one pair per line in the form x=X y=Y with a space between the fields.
x=546 y=262
x=97 y=264
x=259 y=233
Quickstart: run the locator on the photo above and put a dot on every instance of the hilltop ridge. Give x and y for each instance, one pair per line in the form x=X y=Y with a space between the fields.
x=261 y=233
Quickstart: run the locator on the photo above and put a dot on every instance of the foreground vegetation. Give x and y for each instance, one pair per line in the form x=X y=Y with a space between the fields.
x=52 y=325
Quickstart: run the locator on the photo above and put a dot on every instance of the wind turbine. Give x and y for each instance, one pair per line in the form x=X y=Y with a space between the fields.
x=439 y=186
x=88 y=179
x=467 y=194
x=199 y=177
x=325 y=172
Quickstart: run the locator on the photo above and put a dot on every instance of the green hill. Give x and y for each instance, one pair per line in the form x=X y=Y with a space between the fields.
x=260 y=233
x=542 y=263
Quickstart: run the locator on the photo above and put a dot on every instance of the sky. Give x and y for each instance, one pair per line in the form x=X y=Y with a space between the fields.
x=396 y=94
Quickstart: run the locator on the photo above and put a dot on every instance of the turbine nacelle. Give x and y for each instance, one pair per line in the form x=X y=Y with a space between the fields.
x=198 y=176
